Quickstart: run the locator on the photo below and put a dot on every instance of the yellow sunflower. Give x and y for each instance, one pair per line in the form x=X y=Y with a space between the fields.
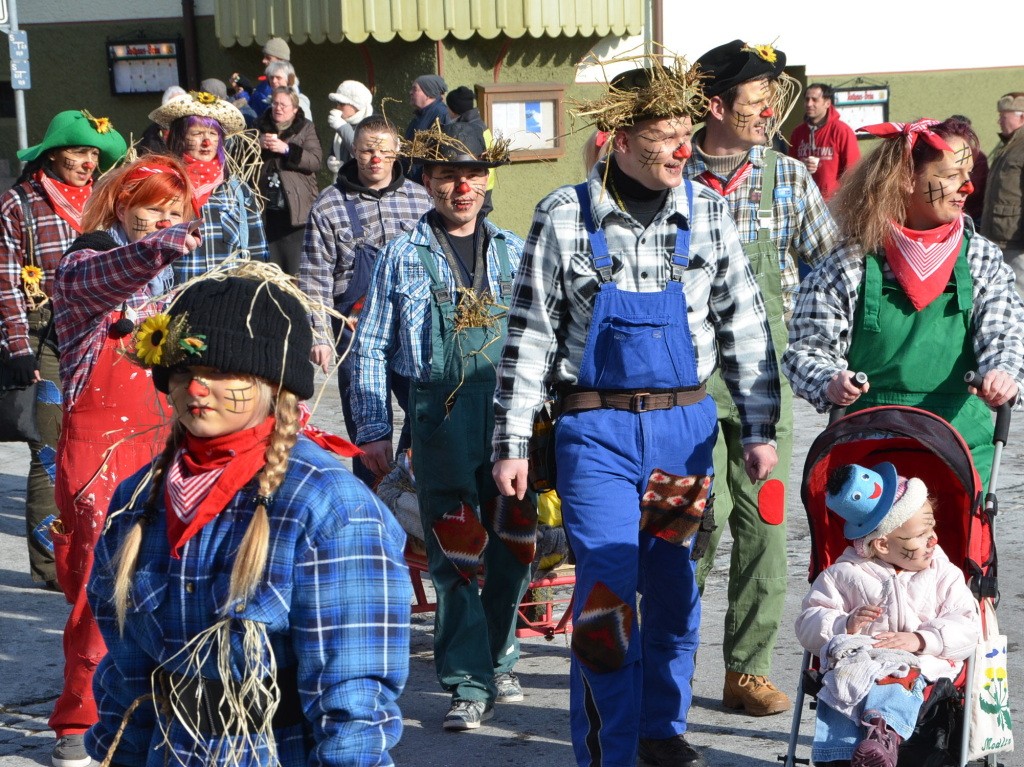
x=204 y=98
x=150 y=340
x=99 y=124
x=766 y=52
x=31 y=275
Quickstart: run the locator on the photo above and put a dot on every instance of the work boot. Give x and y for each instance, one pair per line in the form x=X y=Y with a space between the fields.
x=754 y=694
x=670 y=752
x=881 y=744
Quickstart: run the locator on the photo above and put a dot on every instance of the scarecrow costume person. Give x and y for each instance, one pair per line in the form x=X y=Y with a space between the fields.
x=113 y=422
x=912 y=295
x=435 y=311
x=252 y=591
x=633 y=290
x=208 y=135
x=39 y=218
x=891 y=615
x=780 y=215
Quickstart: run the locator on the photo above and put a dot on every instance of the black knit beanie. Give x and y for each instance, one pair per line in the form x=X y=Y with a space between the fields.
x=460 y=100
x=248 y=326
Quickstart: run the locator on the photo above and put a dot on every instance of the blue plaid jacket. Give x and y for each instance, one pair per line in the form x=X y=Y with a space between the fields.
x=334 y=600
x=231 y=222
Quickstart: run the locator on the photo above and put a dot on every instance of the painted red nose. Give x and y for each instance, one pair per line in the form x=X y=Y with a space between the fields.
x=463 y=188
x=683 y=152
x=162 y=224
x=196 y=389
x=375 y=160
x=967 y=188
x=206 y=143
x=767 y=112
x=88 y=165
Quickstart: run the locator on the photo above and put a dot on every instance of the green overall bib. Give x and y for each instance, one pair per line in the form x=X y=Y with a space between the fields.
x=918 y=358
x=453 y=412
x=757 y=572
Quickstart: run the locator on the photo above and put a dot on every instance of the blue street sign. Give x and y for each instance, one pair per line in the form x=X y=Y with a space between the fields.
x=18 y=44
x=21 y=80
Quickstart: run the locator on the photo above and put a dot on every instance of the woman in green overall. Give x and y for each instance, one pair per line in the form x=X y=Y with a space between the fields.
x=912 y=296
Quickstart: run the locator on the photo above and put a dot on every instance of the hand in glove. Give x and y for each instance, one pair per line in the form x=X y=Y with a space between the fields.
x=23 y=370
x=335 y=119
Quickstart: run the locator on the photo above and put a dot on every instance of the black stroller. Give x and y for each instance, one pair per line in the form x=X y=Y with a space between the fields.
x=920 y=444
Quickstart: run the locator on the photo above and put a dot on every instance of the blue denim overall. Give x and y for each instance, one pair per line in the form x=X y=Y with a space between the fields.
x=362 y=268
x=637 y=342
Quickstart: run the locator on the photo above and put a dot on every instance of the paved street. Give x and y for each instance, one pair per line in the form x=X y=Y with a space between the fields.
x=532 y=732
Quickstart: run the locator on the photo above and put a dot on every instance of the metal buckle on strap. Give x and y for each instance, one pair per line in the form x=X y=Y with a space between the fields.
x=442 y=295
x=638 y=402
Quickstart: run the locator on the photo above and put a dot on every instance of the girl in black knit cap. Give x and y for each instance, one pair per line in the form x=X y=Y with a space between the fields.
x=252 y=592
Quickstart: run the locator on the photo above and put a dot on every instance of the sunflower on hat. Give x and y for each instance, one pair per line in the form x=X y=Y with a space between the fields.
x=163 y=340
x=77 y=127
x=200 y=104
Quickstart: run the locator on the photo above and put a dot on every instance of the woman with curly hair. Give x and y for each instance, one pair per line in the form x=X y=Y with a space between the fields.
x=136 y=224
x=252 y=591
x=912 y=296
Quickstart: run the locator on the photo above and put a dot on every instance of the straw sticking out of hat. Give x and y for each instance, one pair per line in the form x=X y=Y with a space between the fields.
x=201 y=104
x=455 y=144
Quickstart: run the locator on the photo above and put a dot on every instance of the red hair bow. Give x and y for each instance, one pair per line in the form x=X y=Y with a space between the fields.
x=911 y=131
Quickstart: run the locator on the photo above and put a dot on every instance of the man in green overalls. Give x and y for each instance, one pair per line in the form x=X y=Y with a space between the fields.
x=780 y=214
x=435 y=313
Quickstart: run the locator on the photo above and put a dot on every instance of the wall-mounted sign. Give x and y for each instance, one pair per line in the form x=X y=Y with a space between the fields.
x=530 y=115
x=862 y=106
x=144 y=66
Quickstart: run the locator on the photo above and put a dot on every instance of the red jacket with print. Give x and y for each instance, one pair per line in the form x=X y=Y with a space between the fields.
x=834 y=143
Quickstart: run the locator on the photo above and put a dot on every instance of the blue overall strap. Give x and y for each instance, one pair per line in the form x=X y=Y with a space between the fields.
x=598 y=244
x=353 y=217
x=243 y=215
x=681 y=255
x=505 y=277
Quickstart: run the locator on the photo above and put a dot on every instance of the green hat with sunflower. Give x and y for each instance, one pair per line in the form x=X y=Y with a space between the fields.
x=76 y=127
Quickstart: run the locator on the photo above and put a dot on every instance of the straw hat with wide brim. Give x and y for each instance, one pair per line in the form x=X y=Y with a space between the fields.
x=201 y=104
x=79 y=128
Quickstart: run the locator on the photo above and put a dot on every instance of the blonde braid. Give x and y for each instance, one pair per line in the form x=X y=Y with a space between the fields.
x=252 y=553
x=126 y=558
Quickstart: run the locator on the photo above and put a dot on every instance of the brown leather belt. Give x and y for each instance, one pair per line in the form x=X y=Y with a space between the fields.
x=639 y=402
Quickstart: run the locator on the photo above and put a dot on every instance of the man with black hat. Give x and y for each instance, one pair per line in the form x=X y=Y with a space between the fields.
x=461 y=109
x=435 y=313
x=779 y=212
x=633 y=290
x=426 y=94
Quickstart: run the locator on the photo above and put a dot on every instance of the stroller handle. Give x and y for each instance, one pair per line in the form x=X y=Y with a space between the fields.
x=1002 y=431
x=859 y=378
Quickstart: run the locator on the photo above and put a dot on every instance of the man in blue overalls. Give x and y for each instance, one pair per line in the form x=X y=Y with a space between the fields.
x=371 y=204
x=633 y=290
x=436 y=314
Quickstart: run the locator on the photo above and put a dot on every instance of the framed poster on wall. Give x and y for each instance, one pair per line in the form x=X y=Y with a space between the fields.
x=862 y=106
x=530 y=115
x=144 y=66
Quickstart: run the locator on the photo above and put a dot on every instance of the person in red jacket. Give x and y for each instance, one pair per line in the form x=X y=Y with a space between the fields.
x=823 y=142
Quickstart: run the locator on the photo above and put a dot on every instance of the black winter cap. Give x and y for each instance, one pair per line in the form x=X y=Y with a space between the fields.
x=736 y=63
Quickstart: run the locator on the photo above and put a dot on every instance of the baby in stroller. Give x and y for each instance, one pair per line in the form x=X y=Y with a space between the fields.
x=891 y=615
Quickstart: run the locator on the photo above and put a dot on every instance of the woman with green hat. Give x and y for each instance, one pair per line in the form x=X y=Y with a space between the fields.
x=39 y=218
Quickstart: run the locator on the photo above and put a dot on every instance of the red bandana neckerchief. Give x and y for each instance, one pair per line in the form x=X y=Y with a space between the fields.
x=206 y=176
x=710 y=179
x=205 y=475
x=923 y=261
x=68 y=201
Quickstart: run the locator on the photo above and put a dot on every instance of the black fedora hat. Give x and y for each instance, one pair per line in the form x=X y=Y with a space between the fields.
x=736 y=63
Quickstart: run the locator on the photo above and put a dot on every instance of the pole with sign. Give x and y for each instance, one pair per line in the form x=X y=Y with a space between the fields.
x=21 y=80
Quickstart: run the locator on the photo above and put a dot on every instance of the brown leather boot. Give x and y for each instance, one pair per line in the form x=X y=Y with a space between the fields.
x=754 y=694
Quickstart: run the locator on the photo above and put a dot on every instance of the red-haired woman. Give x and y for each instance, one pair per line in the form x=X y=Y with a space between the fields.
x=136 y=224
x=912 y=296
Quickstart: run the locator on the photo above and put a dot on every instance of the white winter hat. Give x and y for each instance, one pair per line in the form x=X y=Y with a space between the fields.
x=355 y=93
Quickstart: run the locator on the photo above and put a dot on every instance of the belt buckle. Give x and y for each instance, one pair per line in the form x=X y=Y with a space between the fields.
x=638 y=402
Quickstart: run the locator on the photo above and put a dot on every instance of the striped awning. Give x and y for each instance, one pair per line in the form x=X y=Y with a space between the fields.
x=243 y=22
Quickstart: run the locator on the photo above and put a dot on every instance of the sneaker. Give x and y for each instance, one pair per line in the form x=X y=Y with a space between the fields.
x=509 y=690
x=467 y=715
x=670 y=752
x=754 y=694
x=70 y=752
x=881 y=744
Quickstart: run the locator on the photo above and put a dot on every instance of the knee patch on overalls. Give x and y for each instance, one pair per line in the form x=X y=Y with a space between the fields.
x=600 y=635
x=771 y=502
x=514 y=521
x=672 y=507
x=462 y=539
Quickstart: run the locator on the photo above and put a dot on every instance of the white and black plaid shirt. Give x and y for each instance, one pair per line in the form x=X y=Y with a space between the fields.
x=553 y=301
x=821 y=330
